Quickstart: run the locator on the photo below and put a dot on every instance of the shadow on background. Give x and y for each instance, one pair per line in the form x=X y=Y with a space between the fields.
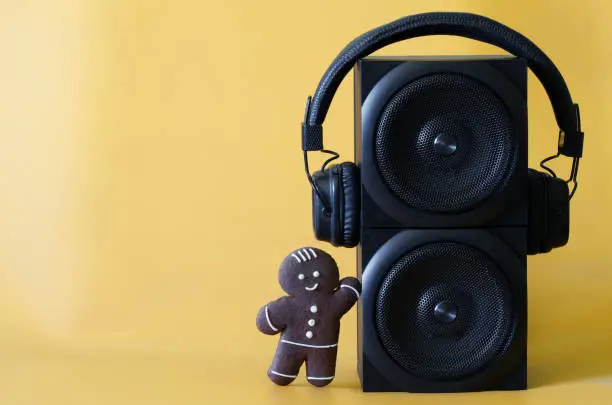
x=569 y=290
x=569 y=328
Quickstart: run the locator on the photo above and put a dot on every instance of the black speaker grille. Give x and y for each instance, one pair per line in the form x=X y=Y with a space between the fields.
x=454 y=279
x=445 y=143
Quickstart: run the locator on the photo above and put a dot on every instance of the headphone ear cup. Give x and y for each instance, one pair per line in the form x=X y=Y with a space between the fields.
x=548 y=213
x=537 y=212
x=339 y=186
x=351 y=207
x=322 y=221
x=558 y=212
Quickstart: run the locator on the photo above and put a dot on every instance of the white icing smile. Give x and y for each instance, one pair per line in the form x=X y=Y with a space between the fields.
x=314 y=287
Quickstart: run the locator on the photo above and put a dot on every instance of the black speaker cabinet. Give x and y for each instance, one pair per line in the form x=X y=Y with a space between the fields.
x=442 y=147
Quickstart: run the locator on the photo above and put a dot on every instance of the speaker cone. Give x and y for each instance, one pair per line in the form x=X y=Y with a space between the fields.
x=444 y=311
x=445 y=143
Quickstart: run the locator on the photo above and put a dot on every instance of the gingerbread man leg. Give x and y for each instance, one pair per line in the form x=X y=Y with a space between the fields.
x=286 y=364
x=321 y=365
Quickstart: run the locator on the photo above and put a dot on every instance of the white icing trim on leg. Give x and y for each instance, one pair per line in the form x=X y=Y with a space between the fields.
x=321 y=378
x=352 y=288
x=305 y=345
x=283 y=375
x=268 y=319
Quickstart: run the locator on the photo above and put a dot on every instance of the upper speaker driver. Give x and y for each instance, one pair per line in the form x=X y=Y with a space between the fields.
x=445 y=143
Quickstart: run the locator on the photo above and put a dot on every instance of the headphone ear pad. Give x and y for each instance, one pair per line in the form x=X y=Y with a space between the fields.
x=322 y=219
x=339 y=186
x=351 y=209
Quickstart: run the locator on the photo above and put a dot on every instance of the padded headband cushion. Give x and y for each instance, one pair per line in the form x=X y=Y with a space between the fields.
x=466 y=25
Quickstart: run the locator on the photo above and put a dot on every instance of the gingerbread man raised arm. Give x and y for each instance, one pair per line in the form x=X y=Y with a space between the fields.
x=308 y=319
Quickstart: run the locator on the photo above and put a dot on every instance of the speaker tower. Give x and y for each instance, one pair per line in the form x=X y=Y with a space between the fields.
x=441 y=143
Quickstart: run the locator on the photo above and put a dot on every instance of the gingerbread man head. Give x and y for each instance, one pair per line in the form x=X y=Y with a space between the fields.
x=307 y=271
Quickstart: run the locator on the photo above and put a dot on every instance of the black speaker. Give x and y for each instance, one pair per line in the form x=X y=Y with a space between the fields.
x=441 y=145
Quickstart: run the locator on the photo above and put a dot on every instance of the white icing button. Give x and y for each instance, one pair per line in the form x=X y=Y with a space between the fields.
x=309 y=335
x=316 y=274
x=313 y=309
x=311 y=322
x=301 y=277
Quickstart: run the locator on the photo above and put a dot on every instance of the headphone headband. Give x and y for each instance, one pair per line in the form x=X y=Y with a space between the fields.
x=466 y=25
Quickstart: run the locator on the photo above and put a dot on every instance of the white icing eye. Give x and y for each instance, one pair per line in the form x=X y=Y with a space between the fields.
x=301 y=277
x=316 y=274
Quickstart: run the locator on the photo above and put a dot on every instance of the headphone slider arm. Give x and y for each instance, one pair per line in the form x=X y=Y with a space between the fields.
x=312 y=137
x=570 y=144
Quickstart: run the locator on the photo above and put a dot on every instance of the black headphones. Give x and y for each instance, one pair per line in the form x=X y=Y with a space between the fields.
x=336 y=190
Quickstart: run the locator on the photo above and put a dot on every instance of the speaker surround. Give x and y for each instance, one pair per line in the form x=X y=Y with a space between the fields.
x=442 y=148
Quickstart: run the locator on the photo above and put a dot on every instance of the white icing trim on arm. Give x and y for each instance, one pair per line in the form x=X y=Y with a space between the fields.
x=352 y=288
x=268 y=319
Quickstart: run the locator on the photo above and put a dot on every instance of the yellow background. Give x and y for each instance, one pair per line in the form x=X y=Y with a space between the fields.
x=152 y=181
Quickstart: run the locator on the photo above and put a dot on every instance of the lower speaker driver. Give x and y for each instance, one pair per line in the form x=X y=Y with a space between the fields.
x=444 y=311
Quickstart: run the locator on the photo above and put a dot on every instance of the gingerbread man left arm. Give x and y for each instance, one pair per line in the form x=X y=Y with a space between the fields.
x=272 y=317
x=347 y=294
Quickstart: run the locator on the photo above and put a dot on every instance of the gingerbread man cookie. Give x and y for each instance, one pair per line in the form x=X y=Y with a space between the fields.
x=308 y=319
